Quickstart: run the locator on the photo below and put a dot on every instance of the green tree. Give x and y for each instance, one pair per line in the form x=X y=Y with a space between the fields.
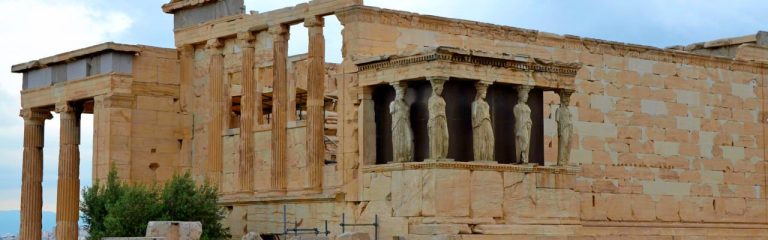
x=183 y=201
x=123 y=210
x=95 y=201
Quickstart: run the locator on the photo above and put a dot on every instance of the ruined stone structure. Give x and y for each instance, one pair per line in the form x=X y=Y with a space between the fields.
x=660 y=142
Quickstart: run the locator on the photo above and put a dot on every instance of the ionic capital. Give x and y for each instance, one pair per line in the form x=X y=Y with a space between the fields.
x=187 y=50
x=35 y=114
x=314 y=21
x=280 y=32
x=247 y=39
x=64 y=108
x=214 y=46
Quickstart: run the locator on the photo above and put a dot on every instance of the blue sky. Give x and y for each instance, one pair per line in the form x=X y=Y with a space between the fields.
x=31 y=29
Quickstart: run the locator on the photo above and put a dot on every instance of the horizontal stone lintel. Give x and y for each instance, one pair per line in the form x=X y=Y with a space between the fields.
x=569 y=170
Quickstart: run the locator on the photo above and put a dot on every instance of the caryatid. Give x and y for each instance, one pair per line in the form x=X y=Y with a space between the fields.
x=482 y=130
x=564 y=128
x=523 y=124
x=402 y=135
x=437 y=124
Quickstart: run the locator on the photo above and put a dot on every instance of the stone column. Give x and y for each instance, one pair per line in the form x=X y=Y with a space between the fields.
x=218 y=109
x=280 y=35
x=523 y=125
x=186 y=59
x=32 y=174
x=564 y=127
x=315 y=102
x=68 y=191
x=248 y=104
x=438 y=121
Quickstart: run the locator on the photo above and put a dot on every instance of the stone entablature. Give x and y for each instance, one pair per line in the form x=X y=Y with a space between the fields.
x=468 y=64
x=410 y=20
x=567 y=170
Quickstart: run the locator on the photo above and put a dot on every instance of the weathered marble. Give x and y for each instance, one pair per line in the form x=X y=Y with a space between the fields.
x=564 y=128
x=438 y=121
x=482 y=128
x=523 y=125
x=402 y=135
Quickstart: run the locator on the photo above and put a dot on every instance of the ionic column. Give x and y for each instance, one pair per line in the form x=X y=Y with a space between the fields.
x=186 y=60
x=68 y=191
x=248 y=104
x=217 y=111
x=564 y=127
x=315 y=102
x=32 y=174
x=280 y=35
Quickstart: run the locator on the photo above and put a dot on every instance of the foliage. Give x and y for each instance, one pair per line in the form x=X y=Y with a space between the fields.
x=117 y=209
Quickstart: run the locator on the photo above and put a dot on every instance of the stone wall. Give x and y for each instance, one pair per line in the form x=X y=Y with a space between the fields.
x=665 y=138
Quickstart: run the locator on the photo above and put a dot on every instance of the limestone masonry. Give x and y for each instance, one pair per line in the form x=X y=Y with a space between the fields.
x=432 y=127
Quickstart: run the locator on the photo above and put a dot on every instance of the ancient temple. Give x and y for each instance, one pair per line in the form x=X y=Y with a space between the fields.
x=430 y=127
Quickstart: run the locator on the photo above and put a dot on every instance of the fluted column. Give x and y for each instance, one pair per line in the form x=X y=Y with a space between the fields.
x=280 y=35
x=248 y=104
x=68 y=191
x=217 y=110
x=186 y=60
x=32 y=174
x=315 y=102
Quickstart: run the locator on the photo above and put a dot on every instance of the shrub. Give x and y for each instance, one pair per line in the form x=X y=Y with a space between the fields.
x=123 y=210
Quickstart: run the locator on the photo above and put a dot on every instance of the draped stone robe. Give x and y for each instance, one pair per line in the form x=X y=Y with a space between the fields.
x=523 y=124
x=437 y=127
x=402 y=135
x=564 y=133
x=482 y=131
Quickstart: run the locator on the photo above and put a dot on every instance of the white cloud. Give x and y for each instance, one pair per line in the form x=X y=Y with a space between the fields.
x=30 y=30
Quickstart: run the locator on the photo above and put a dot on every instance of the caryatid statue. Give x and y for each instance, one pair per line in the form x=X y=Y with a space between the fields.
x=523 y=125
x=402 y=135
x=437 y=124
x=482 y=130
x=564 y=128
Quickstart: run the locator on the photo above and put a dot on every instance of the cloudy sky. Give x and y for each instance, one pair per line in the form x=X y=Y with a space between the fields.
x=32 y=29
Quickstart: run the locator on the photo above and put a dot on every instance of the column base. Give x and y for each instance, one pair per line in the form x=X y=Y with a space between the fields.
x=486 y=162
x=438 y=160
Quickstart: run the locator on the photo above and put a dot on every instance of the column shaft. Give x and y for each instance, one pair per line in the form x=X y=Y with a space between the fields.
x=217 y=111
x=315 y=102
x=32 y=174
x=248 y=104
x=280 y=35
x=185 y=64
x=68 y=192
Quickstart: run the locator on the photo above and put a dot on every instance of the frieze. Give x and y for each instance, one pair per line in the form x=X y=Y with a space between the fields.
x=458 y=56
x=569 y=170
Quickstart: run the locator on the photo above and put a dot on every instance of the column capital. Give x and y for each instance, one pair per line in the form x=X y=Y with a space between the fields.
x=314 y=21
x=64 y=108
x=247 y=39
x=35 y=114
x=214 y=46
x=437 y=78
x=565 y=96
x=187 y=50
x=280 y=32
